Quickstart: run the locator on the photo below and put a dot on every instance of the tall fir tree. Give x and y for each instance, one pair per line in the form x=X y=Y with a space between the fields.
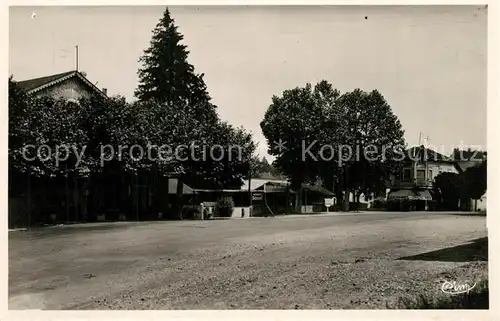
x=167 y=77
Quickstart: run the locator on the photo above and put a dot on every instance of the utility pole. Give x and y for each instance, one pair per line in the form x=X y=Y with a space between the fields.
x=53 y=51
x=249 y=189
x=67 y=196
x=426 y=140
x=76 y=47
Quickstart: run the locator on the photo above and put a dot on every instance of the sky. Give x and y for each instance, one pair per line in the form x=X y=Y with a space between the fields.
x=430 y=63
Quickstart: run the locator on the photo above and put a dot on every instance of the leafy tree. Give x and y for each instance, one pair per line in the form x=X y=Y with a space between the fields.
x=326 y=135
x=473 y=182
x=19 y=131
x=224 y=207
x=447 y=189
x=222 y=158
x=37 y=122
x=292 y=121
x=329 y=170
x=45 y=138
x=373 y=134
x=190 y=120
x=264 y=170
x=265 y=167
x=173 y=109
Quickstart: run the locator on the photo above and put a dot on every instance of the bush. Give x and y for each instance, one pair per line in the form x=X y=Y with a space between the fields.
x=354 y=206
x=191 y=213
x=380 y=204
x=224 y=207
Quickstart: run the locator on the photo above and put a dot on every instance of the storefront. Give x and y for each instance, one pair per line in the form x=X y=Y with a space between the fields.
x=410 y=200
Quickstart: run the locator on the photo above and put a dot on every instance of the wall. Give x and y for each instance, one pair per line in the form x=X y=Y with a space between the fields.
x=433 y=168
x=306 y=209
x=438 y=168
x=481 y=203
x=237 y=212
x=70 y=89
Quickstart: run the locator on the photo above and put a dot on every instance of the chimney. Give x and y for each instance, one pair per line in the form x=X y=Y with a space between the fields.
x=105 y=91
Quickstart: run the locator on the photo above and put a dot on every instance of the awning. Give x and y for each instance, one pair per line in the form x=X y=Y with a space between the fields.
x=258 y=184
x=424 y=195
x=199 y=190
x=318 y=189
x=274 y=187
x=172 y=187
x=410 y=195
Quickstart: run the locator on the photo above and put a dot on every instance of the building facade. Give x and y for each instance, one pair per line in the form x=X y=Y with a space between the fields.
x=72 y=86
x=415 y=180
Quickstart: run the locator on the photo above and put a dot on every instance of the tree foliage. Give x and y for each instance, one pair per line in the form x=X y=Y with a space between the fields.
x=447 y=190
x=470 y=184
x=327 y=136
x=167 y=77
x=113 y=141
x=475 y=180
x=168 y=80
x=292 y=121
x=265 y=170
x=373 y=133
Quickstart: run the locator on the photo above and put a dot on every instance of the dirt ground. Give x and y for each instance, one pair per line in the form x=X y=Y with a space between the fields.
x=359 y=260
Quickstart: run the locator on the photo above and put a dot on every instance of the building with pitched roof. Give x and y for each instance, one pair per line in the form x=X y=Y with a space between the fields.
x=421 y=165
x=71 y=85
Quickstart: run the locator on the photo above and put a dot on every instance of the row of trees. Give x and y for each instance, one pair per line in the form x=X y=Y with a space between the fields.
x=317 y=133
x=93 y=123
x=265 y=170
x=173 y=108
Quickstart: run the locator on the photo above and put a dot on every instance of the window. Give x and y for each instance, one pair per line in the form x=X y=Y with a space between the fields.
x=407 y=175
x=420 y=176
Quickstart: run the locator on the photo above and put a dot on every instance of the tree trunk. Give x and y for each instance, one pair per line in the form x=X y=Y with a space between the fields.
x=346 y=199
x=288 y=201
x=305 y=200
x=29 y=199
x=298 y=200
x=180 y=187
x=76 y=203
x=67 y=197
x=250 y=192
x=346 y=189
x=84 y=199
x=168 y=205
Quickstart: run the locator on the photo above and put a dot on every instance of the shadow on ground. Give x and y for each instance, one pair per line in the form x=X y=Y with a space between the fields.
x=476 y=250
x=477 y=214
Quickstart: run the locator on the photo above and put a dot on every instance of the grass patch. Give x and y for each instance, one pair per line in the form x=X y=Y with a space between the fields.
x=477 y=298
